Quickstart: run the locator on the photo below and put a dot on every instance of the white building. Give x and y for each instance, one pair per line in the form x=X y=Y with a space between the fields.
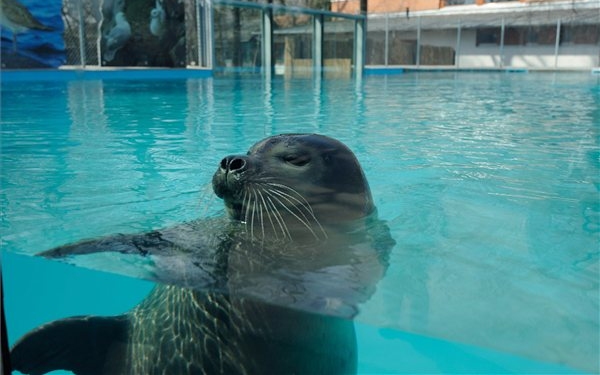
x=555 y=35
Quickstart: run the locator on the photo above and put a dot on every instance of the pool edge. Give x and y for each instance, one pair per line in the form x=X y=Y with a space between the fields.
x=69 y=74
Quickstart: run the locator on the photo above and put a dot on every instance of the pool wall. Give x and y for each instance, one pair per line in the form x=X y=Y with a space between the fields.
x=93 y=74
x=38 y=291
x=53 y=75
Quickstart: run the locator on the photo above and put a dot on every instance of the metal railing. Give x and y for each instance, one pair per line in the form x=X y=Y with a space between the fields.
x=280 y=36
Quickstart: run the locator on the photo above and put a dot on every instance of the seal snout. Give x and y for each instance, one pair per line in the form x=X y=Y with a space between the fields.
x=234 y=164
x=229 y=177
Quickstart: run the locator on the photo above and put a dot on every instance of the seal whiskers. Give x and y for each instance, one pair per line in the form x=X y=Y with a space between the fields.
x=264 y=205
x=256 y=203
x=252 y=219
x=271 y=199
x=303 y=220
x=284 y=230
x=303 y=204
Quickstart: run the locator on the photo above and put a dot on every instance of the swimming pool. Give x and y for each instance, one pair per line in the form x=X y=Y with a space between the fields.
x=489 y=183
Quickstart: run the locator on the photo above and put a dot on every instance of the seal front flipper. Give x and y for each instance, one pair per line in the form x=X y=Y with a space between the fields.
x=143 y=244
x=189 y=255
x=195 y=236
x=87 y=345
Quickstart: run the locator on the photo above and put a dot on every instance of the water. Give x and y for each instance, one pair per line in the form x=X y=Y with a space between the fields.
x=489 y=183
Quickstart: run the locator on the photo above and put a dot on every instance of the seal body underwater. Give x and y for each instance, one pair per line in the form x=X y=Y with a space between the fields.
x=269 y=289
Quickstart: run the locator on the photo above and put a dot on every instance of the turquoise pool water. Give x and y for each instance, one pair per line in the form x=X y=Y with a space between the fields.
x=489 y=182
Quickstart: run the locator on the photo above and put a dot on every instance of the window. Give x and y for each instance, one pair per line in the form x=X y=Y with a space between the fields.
x=488 y=35
x=580 y=34
x=542 y=35
x=519 y=35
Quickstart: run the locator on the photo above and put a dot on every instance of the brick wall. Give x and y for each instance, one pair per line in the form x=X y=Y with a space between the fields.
x=383 y=6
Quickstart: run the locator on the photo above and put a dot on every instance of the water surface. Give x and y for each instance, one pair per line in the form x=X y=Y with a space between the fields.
x=489 y=182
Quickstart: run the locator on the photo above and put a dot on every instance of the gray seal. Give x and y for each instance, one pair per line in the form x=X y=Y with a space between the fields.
x=269 y=288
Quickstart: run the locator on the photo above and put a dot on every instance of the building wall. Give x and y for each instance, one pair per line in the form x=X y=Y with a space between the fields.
x=530 y=56
x=524 y=46
x=439 y=38
x=346 y=6
x=472 y=56
x=385 y=6
x=484 y=56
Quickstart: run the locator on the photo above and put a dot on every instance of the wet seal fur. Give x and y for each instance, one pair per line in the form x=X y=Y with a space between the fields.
x=269 y=289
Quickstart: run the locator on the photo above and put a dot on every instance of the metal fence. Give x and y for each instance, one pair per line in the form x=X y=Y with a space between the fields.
x=165 y=33
x=283 y=40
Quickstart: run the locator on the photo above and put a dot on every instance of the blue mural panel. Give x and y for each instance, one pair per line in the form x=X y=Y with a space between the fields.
x=32 y=34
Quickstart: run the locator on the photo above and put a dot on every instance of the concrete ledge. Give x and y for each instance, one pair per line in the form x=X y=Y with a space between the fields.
x=382 y=70
x=397 y=69
x=76 y=73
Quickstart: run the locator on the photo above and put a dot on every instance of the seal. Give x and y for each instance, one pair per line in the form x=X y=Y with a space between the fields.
x=271 y=287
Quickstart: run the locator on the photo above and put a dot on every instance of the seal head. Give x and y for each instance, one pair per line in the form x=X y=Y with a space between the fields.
x=292 y=183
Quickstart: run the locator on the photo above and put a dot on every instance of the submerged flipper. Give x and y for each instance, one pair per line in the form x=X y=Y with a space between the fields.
x=85 y=345
x=142 y=244
x=199 y=237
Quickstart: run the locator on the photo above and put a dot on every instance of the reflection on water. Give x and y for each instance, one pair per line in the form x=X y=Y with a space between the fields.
x=489 y=183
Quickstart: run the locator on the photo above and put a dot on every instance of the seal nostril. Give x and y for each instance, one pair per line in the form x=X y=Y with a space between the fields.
x=233 y=163
x=224 y=163
x=237 y=164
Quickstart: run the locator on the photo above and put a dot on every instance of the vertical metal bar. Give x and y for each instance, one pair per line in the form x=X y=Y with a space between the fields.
x=457 y=52
x=267 y=45
x=557 y=43
x=205 y=28
x=199 y=34
x=387 y=40
x=502 y=44
x=418 y=62
x=209 y=40
x=82 y=54
x=359 y=46
x=99 y=38
x=317 y=44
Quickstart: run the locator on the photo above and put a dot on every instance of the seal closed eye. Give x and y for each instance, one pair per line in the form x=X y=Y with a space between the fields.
x=271 y=288
x=297 y=160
